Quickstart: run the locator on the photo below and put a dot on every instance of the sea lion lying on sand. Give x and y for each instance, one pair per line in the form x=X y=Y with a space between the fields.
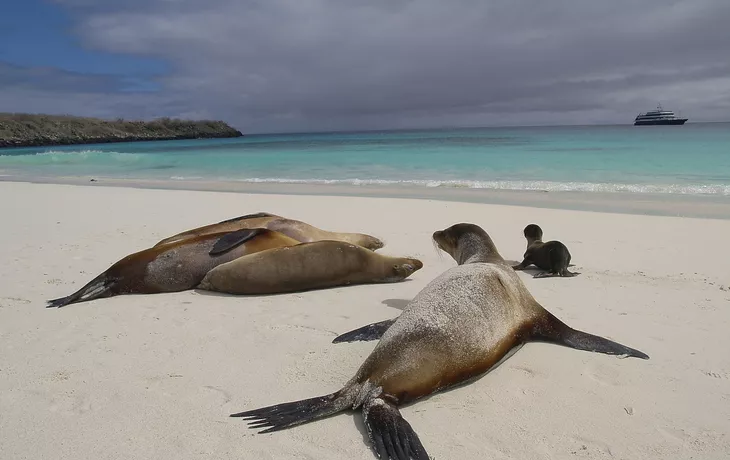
x=176 y=266
x=306 y=266
x=300 y=231
x=461 y=325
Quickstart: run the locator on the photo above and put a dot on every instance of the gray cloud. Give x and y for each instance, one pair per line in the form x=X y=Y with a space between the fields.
x=278 y=65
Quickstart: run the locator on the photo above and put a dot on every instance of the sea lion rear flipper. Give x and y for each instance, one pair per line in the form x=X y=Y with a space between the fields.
x=286 y=415
x=233 y=240
x=391 y=435
x=97 y=288
x=366 y=333
x=555 y=331
x=560 y=261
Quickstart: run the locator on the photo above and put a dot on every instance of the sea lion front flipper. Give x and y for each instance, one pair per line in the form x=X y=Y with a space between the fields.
x=551 y=329
x=233 y=240
x=366 y=333
x=391 y=435
x=522 y=265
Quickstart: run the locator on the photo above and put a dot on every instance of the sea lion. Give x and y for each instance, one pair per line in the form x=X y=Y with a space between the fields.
x=552 y=256
x=300 y=231
x=462 y=324
x=307 y=266
x=176 y=266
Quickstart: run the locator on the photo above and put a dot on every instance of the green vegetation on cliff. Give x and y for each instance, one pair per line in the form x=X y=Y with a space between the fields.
x=23 y=130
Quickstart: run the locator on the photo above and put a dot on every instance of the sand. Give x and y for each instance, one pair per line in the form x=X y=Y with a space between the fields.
x=156 y=376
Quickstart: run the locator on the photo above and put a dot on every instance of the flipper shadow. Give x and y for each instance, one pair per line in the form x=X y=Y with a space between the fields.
x=399 y=304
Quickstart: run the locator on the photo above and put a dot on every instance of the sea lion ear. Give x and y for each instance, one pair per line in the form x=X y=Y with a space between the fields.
x=233 y=240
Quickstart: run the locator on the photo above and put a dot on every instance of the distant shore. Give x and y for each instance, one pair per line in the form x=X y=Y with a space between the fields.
x=31 y=130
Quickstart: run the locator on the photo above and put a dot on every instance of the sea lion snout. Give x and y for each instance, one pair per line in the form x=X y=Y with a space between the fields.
x=372 y=243
x=404 y=270
x=438 y=237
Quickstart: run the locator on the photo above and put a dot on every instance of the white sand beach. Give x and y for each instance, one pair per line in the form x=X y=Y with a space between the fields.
x=156 y=376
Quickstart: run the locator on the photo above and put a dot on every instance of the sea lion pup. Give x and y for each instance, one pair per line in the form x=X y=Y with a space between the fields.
x=300 y=231
x=461 y=325
x=306 y=266
x=176 y=266
x=552 y=256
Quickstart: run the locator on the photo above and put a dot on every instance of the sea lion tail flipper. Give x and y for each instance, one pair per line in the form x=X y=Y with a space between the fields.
x=286 y=415
x=233 y=240
x=391 y=435
x=554 y=330
x=97 y=288
x=366 y=333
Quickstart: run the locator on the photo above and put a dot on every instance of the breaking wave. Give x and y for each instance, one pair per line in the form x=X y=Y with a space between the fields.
x=547 y=186
x=71 y=157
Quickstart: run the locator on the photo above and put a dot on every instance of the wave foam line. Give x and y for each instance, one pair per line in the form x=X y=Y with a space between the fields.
x=72 y=152
x=681 y=189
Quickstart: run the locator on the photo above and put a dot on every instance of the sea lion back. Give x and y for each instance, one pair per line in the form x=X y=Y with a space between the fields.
x=459 y=324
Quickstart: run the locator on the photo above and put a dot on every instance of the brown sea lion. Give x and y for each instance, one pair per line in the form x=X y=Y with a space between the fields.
x=175 y=266
x=553 y=256
x=300 y=231
x=306 y=266
x=461 y=325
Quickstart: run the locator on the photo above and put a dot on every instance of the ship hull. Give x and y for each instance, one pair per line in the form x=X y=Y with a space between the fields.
x=678 y=121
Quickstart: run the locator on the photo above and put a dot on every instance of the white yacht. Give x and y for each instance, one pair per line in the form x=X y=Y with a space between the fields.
x=658 y=117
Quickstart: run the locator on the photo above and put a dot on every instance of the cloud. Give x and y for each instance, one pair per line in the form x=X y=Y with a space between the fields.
x=283 y=65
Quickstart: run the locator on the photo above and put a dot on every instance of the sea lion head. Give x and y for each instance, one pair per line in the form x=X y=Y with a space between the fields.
x=533 y=232
x=400 y=268
x=466 y=243
x=366 y=241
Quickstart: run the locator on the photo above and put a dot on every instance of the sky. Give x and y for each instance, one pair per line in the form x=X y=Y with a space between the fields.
x=330 y=65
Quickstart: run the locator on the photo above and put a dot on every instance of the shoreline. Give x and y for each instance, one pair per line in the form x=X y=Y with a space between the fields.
x=650 y=204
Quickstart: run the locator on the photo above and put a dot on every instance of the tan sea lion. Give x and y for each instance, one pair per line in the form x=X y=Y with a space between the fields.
x=306 y=266
x=553 y=256
x=461 y=325
x=300 y=231
x=175 y=266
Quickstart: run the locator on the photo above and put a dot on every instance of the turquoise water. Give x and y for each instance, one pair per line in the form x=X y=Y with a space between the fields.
x=689 y=159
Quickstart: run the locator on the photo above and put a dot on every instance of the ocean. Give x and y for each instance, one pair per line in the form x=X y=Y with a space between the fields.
x=693 y=159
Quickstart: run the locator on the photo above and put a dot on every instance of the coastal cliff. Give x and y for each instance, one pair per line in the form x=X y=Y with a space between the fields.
x=27 y=130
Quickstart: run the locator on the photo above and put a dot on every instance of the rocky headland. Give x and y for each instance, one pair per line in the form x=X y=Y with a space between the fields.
x=27 y=130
